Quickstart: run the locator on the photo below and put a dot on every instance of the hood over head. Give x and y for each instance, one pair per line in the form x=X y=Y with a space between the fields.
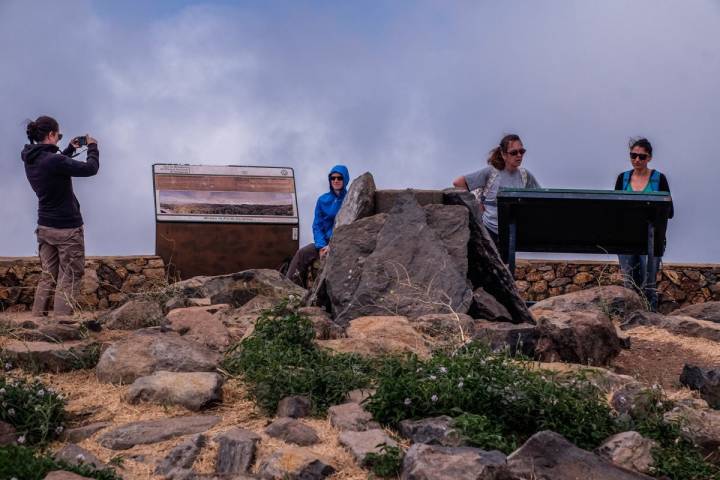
x=32 y=150
x=342 y=170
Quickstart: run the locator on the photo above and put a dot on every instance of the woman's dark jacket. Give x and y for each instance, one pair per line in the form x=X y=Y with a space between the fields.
x=50 y=175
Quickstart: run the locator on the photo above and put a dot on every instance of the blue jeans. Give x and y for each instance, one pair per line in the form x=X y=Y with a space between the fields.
x=635 y=276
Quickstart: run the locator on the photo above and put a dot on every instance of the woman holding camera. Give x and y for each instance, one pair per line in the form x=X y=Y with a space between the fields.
x=61 y=242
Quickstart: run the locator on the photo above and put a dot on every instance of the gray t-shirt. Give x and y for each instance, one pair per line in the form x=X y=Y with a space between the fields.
x=504 y=179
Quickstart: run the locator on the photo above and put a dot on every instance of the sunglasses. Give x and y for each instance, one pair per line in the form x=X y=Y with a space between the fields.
x=514 y=153
x=336 y=177
x=59 y=136
x=641 y=156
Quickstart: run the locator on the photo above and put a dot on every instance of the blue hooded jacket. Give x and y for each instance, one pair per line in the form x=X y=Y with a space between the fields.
x=327 y=206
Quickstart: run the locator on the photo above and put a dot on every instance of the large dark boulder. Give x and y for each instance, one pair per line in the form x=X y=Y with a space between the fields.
x=512 y=338
x=147 y=351
x=433 y=462
x=588 y=338
x=397 y=263
x=709 y=311
x=705 y=380
x=485 y=268
x=678 y=324
x=238 y=288
x=548 y=456
x=612 y=300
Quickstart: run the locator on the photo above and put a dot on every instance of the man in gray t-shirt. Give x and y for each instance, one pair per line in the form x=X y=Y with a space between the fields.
x=477 y=182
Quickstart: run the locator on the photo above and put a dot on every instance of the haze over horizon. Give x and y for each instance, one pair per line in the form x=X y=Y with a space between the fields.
x=416 y=93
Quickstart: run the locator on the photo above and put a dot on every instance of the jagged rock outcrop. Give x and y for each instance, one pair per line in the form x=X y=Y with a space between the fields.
x=709 y=311
x=678 y=324
x=486 y=269
x=397 y=263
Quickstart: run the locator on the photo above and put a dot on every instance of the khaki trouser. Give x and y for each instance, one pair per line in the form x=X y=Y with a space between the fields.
x=62 y=258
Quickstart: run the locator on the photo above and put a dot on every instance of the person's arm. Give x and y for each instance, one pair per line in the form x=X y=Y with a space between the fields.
x=69 y=150
x=476 y=180
x=532 y=181
x=74 y=168
x=460 y=182
x=619 y=182
x=318 y=234
x=665 y=187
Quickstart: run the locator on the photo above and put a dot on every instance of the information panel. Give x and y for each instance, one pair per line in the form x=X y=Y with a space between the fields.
x=224 y=194
x=213 y=220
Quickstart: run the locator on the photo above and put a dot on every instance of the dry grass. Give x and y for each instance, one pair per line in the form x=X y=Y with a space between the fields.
x=90 y=401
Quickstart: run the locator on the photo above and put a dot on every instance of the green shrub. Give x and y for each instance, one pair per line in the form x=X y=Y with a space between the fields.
x=519 y=401
x=24 y=463
x=280 y=358
x=387 y=463
x=36 y=411
x=479 y=431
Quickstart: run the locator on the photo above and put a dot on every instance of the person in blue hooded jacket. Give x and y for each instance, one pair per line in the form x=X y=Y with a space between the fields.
x=327 y=206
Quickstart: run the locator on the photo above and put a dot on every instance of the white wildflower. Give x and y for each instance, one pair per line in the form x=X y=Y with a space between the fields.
x=443 y=370
x=432 y=377
x=41 y=393
x=434 y=398
x=21 y=439
x=2 y=391
x=59 y=429
x=460 y=384
x=407 y=401
x=11 y=412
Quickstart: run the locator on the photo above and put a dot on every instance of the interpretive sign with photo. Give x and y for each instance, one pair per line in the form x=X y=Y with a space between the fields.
x=224 y=194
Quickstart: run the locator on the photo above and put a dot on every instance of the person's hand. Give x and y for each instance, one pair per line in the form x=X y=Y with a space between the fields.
x=74 y=143
x=323 y=251
x=90 y=140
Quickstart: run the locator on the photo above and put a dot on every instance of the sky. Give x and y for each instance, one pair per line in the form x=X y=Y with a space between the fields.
x=416 y=92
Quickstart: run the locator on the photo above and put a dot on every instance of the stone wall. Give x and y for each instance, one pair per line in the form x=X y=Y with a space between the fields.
x=678 y=284
x=107 y=282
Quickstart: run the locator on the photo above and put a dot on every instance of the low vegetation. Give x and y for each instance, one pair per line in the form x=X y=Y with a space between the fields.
x=497 y=401
x=23 y=463
x=281 y=358
x=36 y=411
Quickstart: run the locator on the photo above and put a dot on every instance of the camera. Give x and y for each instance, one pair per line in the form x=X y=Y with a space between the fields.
x=81 y=141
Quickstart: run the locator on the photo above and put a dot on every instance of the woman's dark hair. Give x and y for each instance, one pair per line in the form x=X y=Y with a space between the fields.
x=38 y=130
x=642 y=143
x=495 y=159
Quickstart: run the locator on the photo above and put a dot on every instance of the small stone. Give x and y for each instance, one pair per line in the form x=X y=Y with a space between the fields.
x=425 y=462
x=359 y=395
x=350 y=416
x=294 y=463
x=192 y=390
x=133 y=315
x=182 y=456
x=293 y=431
x=432 y=431
x=236 y=451
x=629 y=450
x=78 y=434
x=75 y=455
x=362 y=443
x=295 y=406
x=154 y=431
x=8 y=435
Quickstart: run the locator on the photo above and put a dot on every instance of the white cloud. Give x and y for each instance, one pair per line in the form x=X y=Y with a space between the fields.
x=414 y=96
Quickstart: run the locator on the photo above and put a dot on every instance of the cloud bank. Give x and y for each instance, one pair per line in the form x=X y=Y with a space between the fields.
x=417 y=95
